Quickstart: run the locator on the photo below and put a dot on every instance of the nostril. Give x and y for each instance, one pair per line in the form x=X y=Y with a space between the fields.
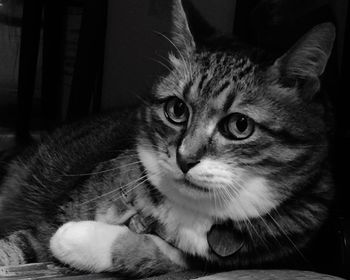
x=191 y=164
x=186 y=164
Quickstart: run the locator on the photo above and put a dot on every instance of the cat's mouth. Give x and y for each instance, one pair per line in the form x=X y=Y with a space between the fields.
x=192 y=185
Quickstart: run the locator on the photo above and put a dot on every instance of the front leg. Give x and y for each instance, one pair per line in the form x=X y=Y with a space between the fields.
x=95 y=247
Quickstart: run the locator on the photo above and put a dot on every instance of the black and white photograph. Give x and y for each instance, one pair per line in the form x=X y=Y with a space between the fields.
x=175 y=139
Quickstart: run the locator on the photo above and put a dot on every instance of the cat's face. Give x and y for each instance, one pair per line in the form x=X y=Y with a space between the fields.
x=228 y=137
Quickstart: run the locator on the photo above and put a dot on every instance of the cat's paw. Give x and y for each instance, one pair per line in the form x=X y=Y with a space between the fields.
x=86 y=245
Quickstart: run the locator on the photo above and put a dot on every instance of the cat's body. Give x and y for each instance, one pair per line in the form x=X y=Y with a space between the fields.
x=227 y=164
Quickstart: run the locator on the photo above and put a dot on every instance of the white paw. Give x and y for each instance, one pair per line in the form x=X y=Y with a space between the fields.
x=86 y=245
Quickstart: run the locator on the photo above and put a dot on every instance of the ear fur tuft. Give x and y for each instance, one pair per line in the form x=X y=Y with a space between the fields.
x=303 y=64
x=309 y=56
x=181 y=33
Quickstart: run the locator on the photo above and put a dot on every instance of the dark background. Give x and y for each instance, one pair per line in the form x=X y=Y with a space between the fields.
x=65 y=60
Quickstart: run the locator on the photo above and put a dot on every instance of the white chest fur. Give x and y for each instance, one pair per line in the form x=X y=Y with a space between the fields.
x=183 y=227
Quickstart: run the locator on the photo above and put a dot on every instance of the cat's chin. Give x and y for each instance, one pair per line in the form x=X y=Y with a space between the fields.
x=255 y=200
x=185 y=188
x=181 y=190
x=187 y=195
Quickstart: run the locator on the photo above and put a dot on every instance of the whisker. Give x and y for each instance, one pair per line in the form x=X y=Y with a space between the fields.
x=161 y=63
x=287 y=237
x=103 y=171
x=133 y=187
x=226 y=195
x=233 y=186
x=189 y=69
x=114 y=190
x=117 y=158
x=269 y=229
x=212 y=192
x=219 y=198
x=177 y=49
x=230 y=198
x=141 y=98
x=177 y=71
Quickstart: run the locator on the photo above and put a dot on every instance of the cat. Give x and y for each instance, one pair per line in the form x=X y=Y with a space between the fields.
x=224 y=166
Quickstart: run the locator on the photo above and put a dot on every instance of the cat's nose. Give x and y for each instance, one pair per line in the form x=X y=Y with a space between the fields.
x=185 y=162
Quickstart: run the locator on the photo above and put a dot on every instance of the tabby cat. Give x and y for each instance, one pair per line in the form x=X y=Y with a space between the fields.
x=226 y=166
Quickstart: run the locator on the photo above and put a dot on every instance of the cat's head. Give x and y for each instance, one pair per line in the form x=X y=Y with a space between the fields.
x=231 y=136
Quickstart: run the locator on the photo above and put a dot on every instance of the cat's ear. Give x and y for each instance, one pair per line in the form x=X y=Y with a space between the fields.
x=189 y=29
x=181 y=33
x=307 y=59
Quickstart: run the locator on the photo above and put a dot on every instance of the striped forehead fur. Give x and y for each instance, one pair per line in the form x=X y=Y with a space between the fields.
x=213 y=75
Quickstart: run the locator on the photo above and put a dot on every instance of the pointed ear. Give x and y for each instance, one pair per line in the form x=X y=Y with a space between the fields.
x=189 y=29
x=181 y=34
x=307 y=59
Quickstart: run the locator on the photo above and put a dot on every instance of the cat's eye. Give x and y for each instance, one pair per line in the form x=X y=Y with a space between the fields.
x=176 y=110
x=237 y=126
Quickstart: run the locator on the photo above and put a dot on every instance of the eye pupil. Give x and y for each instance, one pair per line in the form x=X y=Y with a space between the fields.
x=242 y=124
x=179 y=108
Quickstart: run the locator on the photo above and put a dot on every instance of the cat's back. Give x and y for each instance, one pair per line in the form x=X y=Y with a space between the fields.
x=44 y=176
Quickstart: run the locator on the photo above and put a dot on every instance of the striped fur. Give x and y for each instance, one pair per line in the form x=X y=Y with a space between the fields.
x=113 y=194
